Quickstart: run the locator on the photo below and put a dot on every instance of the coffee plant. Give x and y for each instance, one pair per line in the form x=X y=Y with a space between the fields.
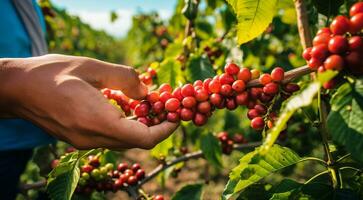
x=245 y=80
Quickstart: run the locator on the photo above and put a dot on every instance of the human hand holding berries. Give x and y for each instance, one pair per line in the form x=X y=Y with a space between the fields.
x=61 y=94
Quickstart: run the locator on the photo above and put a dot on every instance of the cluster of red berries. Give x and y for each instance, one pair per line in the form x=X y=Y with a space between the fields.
x=227 y=142
x=107 y=177
x=196 y=102
x=148 y=76
x=339 y=46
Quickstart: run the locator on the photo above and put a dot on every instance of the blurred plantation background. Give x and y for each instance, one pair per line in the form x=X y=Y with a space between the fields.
x=161 y=44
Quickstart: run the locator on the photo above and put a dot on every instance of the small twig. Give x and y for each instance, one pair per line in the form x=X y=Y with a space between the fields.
x=32 y=186
x=189 y=156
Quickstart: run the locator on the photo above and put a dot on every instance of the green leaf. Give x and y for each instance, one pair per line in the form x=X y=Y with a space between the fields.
x=63 y=185
x=211 y=150
x=328 y=7
x=285 y=189
x=189 y=192
x=162 y=149
x=255 y=191
x=253 y=17
x=346 y=118
x=113 y=16
x=255 y=166
x=199 y=68
x=170 y=72
x=305 y=98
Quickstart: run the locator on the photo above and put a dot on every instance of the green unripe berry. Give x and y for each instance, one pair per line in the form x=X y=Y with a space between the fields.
x=109 y=166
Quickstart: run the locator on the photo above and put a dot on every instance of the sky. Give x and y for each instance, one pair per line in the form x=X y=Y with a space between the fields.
x=97 y=12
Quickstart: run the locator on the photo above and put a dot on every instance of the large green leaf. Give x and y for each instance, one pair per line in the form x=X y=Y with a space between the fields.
x=253 y=17
x=305 y=98
x=162 y=149
x=345 y=121
x=255 y=166
x=285 y=189
x=170 y=72
x=211 y=150
x=62 y=186
x=63 y=179
x=199 y=68
x=189 y=192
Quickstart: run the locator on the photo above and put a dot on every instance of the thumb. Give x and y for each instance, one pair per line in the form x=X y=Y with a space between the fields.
x=108 y=75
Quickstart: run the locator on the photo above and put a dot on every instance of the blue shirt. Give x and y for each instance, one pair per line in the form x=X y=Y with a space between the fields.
x=15 y=43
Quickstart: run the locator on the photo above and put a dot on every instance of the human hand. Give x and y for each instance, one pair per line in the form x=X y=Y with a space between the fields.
x=61 y=95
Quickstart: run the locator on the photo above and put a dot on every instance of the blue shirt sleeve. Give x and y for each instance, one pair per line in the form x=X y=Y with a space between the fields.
x=15 y=43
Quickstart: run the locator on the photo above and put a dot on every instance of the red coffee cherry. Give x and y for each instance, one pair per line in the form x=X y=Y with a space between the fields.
x=261 y=109
x=334 y=62
x=226 y=90
x=173 y=117
x=157 y=107
x=172 y=104
x=206 y=84
x=321 y=39
x=324 y=30
x=165 y=87
x=255 y=93
x=257 y=123
x=201 y=95
x=151 y=71
x=133 y=103
x=87 y=168
x=117 y=184
x=321 y=69
x=132 y=180
x=277 y=74
x=226 y=79
x=147 y=80
x=189 y=102
x=314 y=63
x=338 y=44
x=340 y=25
x=198 y=83
x=231 y=104
x=142 y=110
x=253 y=113
x=177 y=94
x=329 y=84
x=144 y=120
x=231 y=69
x=307 y=53
x=214 y=86
x=186 y=114
x=356 y=23
x=158 y=197
x=153 y=97
x=265 y=97
x=320 y=52
x=244 y=74
x=255 y=73
x=200 y=119
x=265 y=79
x=155 y=121
x=356 y=8
x=271 y=88
x=355 y=43
x=187 y=90
x=215 y=99
x=204 y=107
x=239 y=86
x=242 y=98
x=135 y=167
x=140 y=174
x=164 y=96
x=122 y=167
x=291 y=87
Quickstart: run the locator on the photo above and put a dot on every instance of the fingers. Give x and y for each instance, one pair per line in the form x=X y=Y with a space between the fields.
x=141 y=136
x=102 y=74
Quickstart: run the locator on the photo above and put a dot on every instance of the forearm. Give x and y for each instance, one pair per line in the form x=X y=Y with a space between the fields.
x=6 y=85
